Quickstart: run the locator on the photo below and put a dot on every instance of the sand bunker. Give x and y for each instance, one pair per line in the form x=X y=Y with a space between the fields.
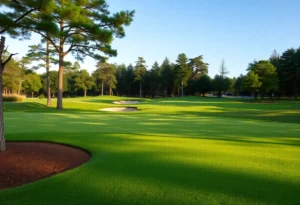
x=120 y=109
x=25 y=162
x=127 y=102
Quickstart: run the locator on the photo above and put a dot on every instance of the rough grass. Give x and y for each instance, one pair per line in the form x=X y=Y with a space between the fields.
x=174 y=151
x=13 y=98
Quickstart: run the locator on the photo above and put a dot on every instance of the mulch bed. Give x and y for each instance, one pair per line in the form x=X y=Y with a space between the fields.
x=25 y=162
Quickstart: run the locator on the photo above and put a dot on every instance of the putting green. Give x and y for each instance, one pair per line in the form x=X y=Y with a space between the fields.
x=174 y=151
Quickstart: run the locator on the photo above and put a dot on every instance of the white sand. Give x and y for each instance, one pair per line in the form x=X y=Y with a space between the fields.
x=126 y=102
x=119 y=109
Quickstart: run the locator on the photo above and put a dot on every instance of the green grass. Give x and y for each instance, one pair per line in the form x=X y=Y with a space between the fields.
x=174 y=151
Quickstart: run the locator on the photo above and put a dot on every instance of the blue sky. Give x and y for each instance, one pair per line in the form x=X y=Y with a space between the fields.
x=238 y=31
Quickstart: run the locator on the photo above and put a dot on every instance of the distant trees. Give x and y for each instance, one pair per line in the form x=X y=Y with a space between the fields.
x=32 y=83
x=204 y=84
x=289 y=71
x=105 y=75
x=84 y=81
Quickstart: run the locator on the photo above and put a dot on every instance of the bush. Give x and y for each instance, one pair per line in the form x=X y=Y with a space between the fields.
x=42 y=96
x=13 y=98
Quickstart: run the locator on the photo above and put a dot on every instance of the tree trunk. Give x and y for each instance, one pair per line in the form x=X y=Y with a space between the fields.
x=182 y=94
x=2 y=138
x=84 y=93
x=59 y=105
x=140 y=88
x=295 y=86
x=110 y=90
x=102 y=88
x=20 y=85
x=31 y=94
x=48 y=74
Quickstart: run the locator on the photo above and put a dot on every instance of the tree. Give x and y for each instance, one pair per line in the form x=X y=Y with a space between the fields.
x=223 y=69
x=199 y=66
x=11 y=20
x=167 y=77
x=84 y=81
x=23 y=64
x=139 y=71
x=43 y=52
x=70 y=72
x=251 y=83
x=105 y=75
x=121 y=79
x=53 y=82
x=239 y=84
x=32 y=83
x=220 y=84
x=267 y=75
x=155 y=79
x=290 y=69
x=85 y=28
x=111 y=80
x=204 y=84
x=182 y=71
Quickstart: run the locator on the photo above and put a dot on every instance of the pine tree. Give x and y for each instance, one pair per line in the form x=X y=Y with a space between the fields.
x=139 y=72
x=86 y=28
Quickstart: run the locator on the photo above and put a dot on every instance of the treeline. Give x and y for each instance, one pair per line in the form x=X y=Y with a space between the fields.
x=277 y=76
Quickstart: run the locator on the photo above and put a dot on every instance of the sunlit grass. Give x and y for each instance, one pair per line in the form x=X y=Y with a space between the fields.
x=174 y=151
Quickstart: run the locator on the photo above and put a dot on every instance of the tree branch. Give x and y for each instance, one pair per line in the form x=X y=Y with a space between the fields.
x=18 y=19
x=8 y=59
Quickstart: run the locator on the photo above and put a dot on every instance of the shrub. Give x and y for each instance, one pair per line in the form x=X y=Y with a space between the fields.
x=42 y=96
x=13 y=98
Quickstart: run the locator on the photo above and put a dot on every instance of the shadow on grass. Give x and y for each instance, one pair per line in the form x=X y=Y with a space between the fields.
x=264 y=115
x=150 y=177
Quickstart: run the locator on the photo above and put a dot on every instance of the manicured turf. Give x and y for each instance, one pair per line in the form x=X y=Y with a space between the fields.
x=175 y=151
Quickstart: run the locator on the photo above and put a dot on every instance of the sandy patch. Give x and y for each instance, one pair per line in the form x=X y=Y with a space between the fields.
x=127 y=102
x=119 y=109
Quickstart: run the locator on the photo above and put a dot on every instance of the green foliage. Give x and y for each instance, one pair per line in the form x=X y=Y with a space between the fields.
x=32 y=83
x=204 y=84
x=220 y=84
x=198 y=66
x=251 y=82
x=84 y=81
x=17 y=19
x=289 y=70
x=267 y=75
x=41 y=96
x=12 y=76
